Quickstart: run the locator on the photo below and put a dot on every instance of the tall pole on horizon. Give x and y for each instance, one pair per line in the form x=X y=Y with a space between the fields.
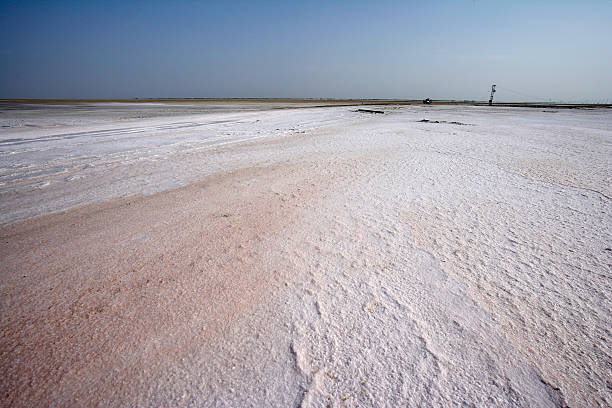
x=492 y=92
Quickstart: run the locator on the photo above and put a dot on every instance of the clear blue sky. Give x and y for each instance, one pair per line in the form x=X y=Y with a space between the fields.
x=559 y=50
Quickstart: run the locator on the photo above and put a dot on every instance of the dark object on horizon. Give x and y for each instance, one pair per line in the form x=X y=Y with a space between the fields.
x=368 y=111
x=492 y=92
x=427 y=101
x=443 y=121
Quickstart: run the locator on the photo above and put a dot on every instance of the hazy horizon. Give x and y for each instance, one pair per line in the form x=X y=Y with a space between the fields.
x=547 y=51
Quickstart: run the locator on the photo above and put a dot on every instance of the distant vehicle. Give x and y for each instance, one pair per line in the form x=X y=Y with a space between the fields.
x=427 y=101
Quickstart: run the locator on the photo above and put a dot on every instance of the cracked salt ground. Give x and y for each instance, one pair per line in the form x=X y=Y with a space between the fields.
x=376 y=321
x=392 y=326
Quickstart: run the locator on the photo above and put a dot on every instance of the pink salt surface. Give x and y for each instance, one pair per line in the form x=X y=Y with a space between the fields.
x=99 y=300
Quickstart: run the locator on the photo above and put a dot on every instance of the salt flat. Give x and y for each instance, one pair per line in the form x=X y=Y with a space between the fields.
x=183 y=256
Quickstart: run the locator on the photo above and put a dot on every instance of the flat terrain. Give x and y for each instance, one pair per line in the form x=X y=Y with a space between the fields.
x=248 y=254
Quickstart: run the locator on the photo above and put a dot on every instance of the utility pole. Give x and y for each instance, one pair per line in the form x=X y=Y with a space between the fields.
x=492 y=92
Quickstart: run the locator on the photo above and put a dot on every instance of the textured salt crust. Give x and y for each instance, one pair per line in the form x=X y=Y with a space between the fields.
x=46 y=166
x=372 y=260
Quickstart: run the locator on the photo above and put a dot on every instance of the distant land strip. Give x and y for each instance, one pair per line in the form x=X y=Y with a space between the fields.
x=319 y=102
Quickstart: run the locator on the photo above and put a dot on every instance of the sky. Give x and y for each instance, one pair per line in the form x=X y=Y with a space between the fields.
x=533 y=50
